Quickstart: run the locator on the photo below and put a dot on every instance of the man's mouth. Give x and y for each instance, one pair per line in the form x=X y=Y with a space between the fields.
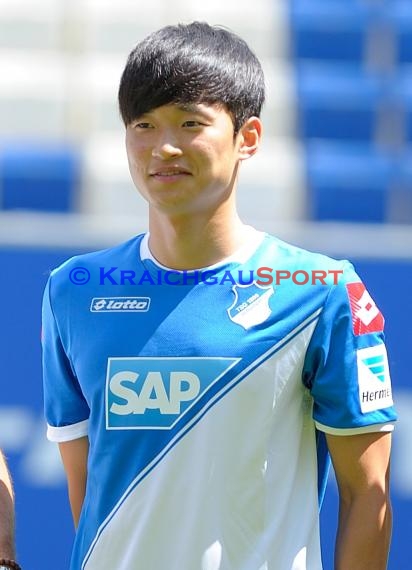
x=169 y=173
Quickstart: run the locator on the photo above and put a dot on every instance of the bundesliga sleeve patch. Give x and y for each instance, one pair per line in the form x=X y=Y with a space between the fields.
x=366 y=317
x=374 y=381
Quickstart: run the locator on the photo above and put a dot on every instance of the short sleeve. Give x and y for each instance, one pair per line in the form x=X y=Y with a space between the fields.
x=346 y=365
x=66 y=409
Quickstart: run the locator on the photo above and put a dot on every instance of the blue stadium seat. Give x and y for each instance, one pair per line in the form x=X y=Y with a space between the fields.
x=354 y=96
x=399 y=14
x=338 y=102
x=339 y=30
x=348 y=182
x=400 y=195
x=335 y=30
x=39 y=176
x=400 y=95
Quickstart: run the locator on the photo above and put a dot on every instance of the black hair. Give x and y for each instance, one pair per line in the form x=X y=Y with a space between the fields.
x=192 y=63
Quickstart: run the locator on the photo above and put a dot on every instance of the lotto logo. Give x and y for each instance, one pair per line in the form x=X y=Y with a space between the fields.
x=120 y=304
x=154 y=393
x=366 y=317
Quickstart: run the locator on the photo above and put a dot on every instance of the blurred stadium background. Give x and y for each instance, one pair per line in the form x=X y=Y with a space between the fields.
x=334 y=174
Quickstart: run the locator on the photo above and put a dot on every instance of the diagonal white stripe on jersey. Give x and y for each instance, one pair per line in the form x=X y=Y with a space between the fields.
x=187 y=427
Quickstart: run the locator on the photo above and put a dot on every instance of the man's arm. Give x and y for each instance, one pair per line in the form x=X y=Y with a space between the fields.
x=7 y=549
x=361 y=464
x=74 y=455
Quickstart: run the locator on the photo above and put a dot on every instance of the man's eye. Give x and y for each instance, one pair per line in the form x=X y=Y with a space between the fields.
x=143 y=126
x=192 y=124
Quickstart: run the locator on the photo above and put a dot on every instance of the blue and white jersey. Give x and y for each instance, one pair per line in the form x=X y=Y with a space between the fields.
x=206 y=396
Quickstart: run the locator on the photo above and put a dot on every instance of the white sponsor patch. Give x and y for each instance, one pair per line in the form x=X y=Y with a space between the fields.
x=374 y=381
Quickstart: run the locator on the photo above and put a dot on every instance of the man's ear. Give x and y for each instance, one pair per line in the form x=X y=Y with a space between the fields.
x=249 y=135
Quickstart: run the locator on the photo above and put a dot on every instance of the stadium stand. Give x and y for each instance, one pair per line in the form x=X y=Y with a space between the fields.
x=64 y=60
x=354 y=86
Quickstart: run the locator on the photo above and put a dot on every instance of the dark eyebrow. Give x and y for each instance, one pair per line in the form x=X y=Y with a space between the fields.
x=189 y=107
x=198 y=109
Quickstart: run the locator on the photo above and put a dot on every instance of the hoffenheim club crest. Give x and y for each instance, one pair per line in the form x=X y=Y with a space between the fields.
x=251 y=305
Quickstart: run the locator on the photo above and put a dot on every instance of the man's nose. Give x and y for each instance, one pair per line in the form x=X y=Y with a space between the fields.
x=166 y=147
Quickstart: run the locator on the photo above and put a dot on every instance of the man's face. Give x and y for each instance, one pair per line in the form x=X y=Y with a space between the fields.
x=184 y=158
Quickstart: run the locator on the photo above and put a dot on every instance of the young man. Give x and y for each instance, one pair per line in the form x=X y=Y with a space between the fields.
x=191 y=384
x=7 y=547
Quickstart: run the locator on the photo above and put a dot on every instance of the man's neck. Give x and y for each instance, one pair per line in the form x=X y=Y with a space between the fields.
x=195 y=242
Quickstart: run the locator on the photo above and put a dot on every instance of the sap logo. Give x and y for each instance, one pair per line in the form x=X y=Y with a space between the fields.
x=120 y=304
x=155 y=393
x=183 y=387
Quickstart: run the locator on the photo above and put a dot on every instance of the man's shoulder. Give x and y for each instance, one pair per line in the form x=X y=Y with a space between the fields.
x=295 y=254
x=291 y=264
x=115 y=254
